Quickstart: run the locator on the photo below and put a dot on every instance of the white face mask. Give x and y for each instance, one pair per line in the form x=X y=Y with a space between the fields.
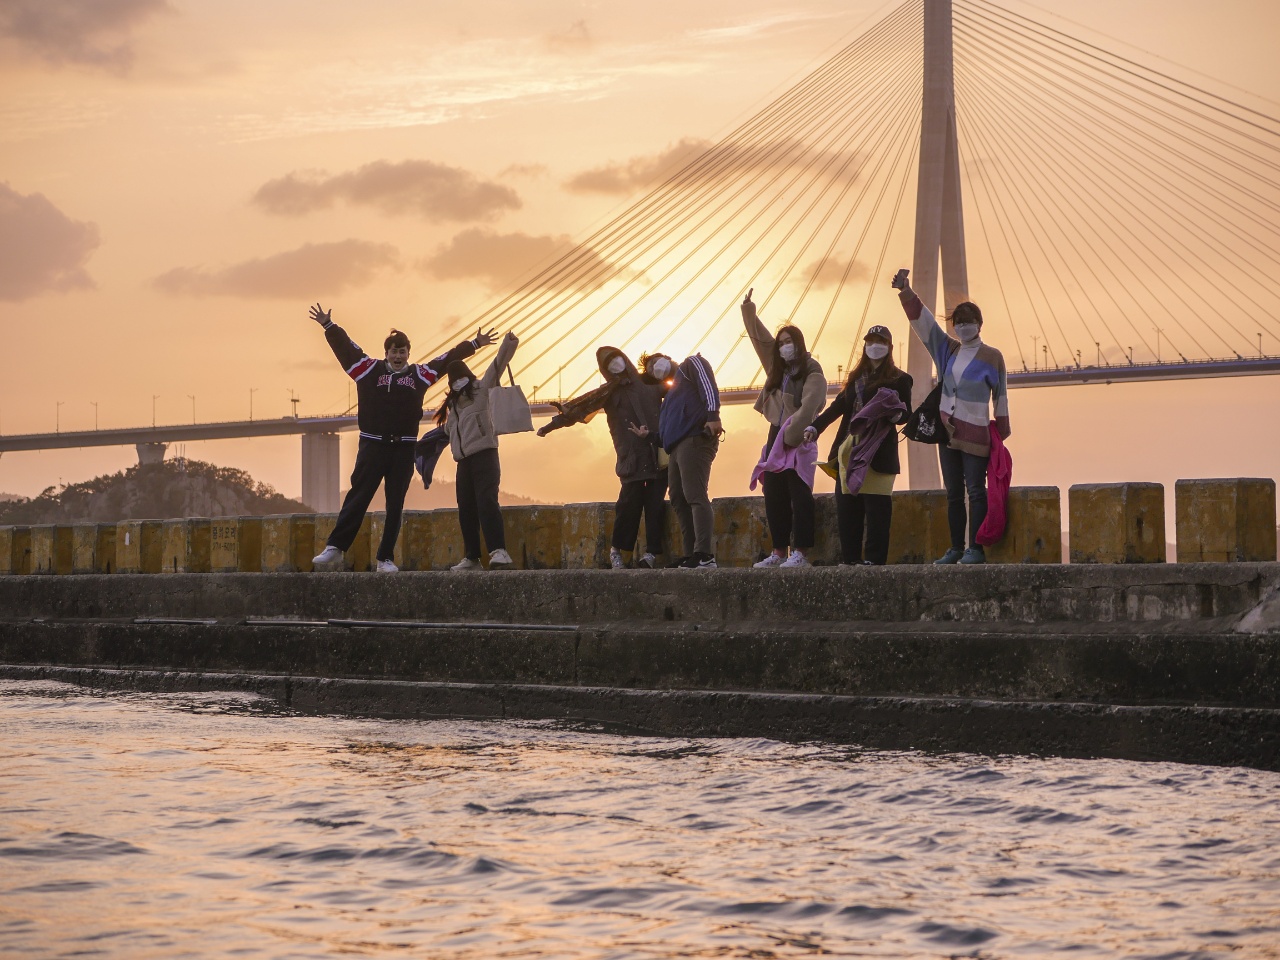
x=662 y=368
x=617 y=365
x=877 y=351
x=967 y=332
x=459 y=384
x=787 y=352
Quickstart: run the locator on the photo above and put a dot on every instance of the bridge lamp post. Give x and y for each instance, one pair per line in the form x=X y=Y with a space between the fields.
x=95 y=415
x=1097 y=345
x=252 y=391
x=192 y=398
x=1045 y=348
x=1158 y=332
x=57 y=416
x=1035 y=343
x=1259 y=345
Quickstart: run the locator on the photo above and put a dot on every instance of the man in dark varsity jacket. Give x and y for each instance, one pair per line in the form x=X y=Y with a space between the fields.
x=390 y=393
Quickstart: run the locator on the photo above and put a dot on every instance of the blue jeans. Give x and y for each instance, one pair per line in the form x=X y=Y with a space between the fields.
x=964 y=473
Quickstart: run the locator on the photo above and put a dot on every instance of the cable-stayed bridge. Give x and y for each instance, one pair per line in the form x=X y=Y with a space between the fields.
x=1115 y=218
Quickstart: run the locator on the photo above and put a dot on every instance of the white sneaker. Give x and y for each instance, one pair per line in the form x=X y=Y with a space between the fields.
x=386 y=566
x=796 y=560
x=769 y=562
x=466 y=563
x=615 y=559
x=327 y=555
x=500 y=559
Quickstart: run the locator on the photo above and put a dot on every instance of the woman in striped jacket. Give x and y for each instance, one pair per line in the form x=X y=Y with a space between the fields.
x=974 y=392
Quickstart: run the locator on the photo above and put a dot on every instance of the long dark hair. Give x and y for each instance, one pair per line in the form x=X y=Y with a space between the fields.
x=456 y=370
x=880 y=376
x=774 y=380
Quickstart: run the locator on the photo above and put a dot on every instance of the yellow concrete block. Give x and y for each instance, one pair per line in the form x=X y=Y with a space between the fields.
x=413 y=546
x=918 y=532
x=235 y=544
x=139 y=545
x=741 y=533
x=535 y=536
x=93 y=547
x=1116 y=523
x=287 y=541
x=186 y=546
x=584 y=535
x=826 y=532
x=1033 y=533
x=52 y=549
x=1225 y=521
x=358 y=554
x=377 y=524
x=15 y=550
x=444 y=539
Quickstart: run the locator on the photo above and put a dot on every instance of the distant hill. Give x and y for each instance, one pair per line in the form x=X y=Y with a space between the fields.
x=153 y=491
x=443 y=493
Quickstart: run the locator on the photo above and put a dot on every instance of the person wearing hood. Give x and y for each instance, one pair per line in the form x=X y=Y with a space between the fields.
x=390 y=394
x=689 y=430
x=974 y=387
x=631 y=403
x=870 y=507
x=794 y=391
x=466 y=417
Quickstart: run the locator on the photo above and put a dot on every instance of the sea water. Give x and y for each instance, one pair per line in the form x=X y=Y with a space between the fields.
x=147 y=825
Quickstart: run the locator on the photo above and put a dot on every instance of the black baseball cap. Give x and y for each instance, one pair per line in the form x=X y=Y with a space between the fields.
x=879 y=331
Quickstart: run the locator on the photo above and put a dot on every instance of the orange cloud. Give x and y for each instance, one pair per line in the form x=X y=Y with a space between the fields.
x=727 y=161
x=433 y=191
x=500 y=258
x=313 y=270
x=576 y=39
x=830 y=272
x=94 y=33
x=41 y=248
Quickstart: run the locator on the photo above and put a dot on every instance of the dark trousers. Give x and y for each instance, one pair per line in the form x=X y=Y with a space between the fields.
x=964 y=473
x=375 y=462
x=788 y=506
x=647 y=497
x=864 y=512
x=477 y=480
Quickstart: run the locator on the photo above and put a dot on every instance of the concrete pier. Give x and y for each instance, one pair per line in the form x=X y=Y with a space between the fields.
x=1157 y=661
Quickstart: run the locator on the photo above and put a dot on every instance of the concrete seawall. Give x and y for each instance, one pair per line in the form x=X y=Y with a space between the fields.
x=1177 y=662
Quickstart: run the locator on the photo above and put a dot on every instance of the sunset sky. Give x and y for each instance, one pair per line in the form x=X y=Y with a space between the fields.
x=179 y=180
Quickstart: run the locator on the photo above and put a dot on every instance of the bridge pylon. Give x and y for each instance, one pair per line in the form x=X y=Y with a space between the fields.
x=939 y=216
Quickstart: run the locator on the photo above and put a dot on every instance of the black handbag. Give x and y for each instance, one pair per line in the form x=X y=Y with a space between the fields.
x=925 y=423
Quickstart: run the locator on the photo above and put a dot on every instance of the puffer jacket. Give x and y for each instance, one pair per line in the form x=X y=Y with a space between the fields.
x=470 y=423
x=797 y=398
x=626 y=399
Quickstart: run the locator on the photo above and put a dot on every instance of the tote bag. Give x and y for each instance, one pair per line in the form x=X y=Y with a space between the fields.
x=509 y=408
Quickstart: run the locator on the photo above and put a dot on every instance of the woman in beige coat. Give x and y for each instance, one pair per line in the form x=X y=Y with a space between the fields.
x=466 y=417
x=795 y=390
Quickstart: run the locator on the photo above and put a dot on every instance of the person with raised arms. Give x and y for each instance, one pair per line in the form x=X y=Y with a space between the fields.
x=795 y=389
x=467 y=418
x=974 y=387
x=631 y=402
x=390 y=393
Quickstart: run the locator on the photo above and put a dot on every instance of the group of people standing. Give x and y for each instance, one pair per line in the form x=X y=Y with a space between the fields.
x=664 y=421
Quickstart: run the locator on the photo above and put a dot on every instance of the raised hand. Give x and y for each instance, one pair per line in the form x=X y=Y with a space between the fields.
x=640 y=431
x=486 y=338
x=810 y=434
x=748 y=307
x=544 y=429
x=899 y=281
x=321 y=316
x=511 y=338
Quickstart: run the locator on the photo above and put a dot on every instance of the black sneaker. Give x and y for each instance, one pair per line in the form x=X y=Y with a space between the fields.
x=700 y=561
x=648 y=561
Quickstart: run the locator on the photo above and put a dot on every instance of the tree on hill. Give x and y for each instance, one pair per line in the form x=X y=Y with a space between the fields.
x=153 y=491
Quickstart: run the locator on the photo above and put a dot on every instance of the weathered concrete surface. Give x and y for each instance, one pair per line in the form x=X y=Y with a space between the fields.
x=139 y=546
x=1033 y=528
x=15 y=550
x=1117 y=523
x=287 y=541
x=1191 y=734
x=52 y=550
x=235 y=545
x=1222 y=521
x=1026 y=594
x=186 y=546
x=358 y=555
x=899 y=638
x=93 y=548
